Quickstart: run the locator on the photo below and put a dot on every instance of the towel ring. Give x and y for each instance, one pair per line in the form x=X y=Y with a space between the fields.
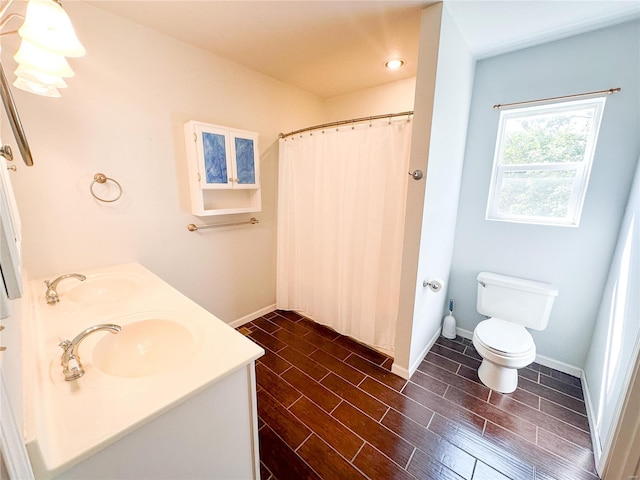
x=102 y=178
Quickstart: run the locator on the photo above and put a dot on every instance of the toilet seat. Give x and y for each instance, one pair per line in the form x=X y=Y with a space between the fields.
x=504 y=339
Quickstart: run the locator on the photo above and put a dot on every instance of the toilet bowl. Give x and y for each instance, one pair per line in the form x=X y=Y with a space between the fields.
x=511 y=305
x=504 y=347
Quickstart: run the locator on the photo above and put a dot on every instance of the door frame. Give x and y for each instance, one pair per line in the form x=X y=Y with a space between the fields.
x=621 y=454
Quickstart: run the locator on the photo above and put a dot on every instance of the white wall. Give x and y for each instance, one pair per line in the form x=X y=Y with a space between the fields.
x=443 y=94
x=122 y=115
x=576 y=260
x=616 y=336
x=393 y=97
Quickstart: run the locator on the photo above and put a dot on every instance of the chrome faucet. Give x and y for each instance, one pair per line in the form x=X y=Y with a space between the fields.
x=51 y=294
x=71 y=365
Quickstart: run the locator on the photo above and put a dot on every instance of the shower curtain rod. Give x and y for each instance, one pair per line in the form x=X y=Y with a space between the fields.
x=576 y=95
x=346 y=122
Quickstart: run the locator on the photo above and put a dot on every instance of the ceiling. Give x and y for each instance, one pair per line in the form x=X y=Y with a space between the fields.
x=334 y=47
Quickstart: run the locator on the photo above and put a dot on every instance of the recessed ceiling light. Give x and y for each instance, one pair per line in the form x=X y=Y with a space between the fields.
x=394 y=64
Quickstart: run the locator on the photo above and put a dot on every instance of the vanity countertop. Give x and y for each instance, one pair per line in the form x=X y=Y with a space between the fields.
x=71 y=420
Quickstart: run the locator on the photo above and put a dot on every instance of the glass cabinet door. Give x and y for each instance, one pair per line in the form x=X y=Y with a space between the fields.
x=214 y=158
x=245 y=160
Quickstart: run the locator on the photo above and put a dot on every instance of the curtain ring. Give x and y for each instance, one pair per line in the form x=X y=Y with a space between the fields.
x=102 y=178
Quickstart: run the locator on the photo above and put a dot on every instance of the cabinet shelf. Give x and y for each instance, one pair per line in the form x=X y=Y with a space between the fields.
x=224 y=169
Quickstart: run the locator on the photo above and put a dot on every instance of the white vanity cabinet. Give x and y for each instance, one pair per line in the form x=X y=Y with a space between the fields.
x=192 y=415
x=212 y=435
x=224 y=169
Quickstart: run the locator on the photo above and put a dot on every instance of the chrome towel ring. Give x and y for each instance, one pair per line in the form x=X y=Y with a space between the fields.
x=102 y=178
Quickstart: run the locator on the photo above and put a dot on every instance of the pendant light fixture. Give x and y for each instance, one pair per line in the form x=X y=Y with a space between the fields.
x=47 y=25
x=36 y=76
x=47 y=38
x=41 y=60
x=37 y=88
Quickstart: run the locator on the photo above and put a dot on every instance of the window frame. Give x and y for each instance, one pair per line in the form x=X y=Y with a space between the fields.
x=582 y=169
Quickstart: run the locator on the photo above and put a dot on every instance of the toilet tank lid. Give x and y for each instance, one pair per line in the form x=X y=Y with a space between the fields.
x=517 y=283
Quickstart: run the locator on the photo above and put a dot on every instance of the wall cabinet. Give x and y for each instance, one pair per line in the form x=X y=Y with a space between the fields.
x=224 y=169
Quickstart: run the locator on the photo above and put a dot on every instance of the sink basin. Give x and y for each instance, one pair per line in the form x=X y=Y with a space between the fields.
x=144 y=348
x=103 y=289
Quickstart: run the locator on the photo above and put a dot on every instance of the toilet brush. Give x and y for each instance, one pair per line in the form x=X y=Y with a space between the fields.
x=449 y=324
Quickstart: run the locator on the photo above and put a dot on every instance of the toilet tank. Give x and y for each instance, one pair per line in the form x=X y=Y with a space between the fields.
x=525 y=302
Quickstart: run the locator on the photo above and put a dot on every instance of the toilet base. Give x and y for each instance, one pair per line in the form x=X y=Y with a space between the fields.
x=498 y=378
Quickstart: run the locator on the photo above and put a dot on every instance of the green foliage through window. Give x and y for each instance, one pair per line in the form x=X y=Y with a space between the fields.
x=536 y=193
x=542 y=162
x=547 y=138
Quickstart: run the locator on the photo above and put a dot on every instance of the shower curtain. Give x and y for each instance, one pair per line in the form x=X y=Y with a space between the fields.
x=341 y=203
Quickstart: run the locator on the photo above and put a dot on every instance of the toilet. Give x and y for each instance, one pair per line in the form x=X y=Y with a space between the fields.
x=512 y=305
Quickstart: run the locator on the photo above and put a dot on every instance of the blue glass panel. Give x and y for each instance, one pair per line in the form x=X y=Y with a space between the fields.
x=215 y=158
x=244 y=161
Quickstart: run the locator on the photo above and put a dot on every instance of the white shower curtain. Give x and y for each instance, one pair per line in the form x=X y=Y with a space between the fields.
x=341 y=203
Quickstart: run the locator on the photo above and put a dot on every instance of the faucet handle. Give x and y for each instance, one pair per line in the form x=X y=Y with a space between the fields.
x=72 y=368
x=50 y=294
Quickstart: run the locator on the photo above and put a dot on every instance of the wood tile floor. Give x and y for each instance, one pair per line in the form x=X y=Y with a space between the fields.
x=330 y=408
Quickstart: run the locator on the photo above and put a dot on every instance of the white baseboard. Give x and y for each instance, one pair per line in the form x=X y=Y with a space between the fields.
x=400 y=371
x=252 y=316
x=464 y=333
x=591 y=416
x=560 y=366
x=406 y=374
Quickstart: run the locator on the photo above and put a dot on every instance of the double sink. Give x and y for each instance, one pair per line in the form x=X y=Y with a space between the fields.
x=168 y=350
x=147 y=343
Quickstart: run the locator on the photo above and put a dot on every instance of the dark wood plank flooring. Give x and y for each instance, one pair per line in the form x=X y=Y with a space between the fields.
x=329 y=408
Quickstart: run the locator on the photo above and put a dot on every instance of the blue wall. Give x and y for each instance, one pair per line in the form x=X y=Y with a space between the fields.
x=576 y=260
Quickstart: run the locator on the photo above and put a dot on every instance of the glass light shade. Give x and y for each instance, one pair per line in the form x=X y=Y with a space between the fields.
x=48 y=26
x=38 y=77
x=41 y=60
x=38 y=89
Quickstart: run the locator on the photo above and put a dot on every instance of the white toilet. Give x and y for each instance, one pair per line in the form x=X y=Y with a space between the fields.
x=502 y=340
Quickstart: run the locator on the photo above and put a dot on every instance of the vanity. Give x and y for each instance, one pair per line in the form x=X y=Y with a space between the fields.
x=171 y=395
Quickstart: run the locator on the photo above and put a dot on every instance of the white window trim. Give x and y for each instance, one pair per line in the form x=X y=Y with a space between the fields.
x=583 y=169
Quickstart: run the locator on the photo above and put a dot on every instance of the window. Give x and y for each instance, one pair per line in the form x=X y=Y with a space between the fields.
x=542 y=162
